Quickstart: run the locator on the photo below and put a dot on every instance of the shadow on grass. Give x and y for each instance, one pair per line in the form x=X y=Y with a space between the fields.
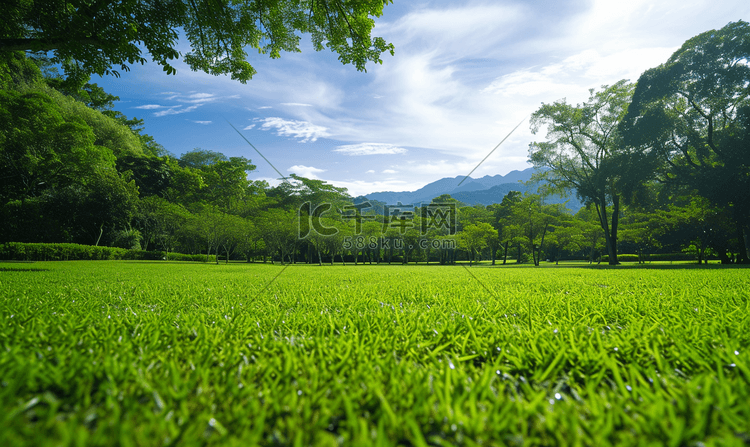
x=18 y=269
x=625 y=266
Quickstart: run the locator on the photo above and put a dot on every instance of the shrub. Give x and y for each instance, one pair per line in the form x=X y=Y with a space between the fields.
x=19 y=251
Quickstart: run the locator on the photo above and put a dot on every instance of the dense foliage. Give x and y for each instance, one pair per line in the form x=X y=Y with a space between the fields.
x=94 y=36
x=686 y=123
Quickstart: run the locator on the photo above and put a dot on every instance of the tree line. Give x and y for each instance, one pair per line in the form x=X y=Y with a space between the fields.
x=661 y=165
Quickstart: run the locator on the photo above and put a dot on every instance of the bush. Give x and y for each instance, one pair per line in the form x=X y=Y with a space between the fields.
x=193 y=258
x=18 y=251
x=129 y=239
x=655 y=257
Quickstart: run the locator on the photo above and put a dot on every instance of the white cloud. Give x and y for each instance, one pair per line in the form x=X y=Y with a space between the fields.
x=201 y=122
x=370 y=149
x=176 y=110
x=302 y=130
x=464 y=74
x=249 y=127
x=371 y=171
x=306 y=171
x=149 y=107
x=565 y=78
x=389 y=171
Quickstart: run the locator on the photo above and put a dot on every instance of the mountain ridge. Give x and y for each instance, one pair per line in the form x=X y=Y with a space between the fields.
x=484 y=190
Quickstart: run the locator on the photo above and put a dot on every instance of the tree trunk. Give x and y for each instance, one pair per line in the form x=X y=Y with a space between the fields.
x=518 y=260
x=101 y=231
x=615 y=225
x=610 y=238
x=541 y=243
x=505 y=253
x=741 y=236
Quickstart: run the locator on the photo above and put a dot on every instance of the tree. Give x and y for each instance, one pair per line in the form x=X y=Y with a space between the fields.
x=279 y=228
x=93 y=36
x=93 y=213
x=199 y=158
x=694 y=111
x=159 y=222
x=584 y=151
x=151 y=174
x=476 y=237
x=41 y=149
x=530 y=221
x=502 y=213
x=297 y=190
x=226 y=182
x=231 y=235
x=588 y=226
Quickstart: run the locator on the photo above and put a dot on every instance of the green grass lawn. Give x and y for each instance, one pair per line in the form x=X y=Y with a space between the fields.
x=155 y=353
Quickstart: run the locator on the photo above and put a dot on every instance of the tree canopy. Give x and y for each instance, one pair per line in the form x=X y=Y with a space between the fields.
x=694 y=111
x=584 y=152
x=97 y=36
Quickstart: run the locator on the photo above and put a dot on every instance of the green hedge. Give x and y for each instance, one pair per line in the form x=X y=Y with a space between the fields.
x=184 y=257
x=18 y=251
x=656 y=257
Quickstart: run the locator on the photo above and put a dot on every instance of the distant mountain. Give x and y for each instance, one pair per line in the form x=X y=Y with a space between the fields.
x=486 y=191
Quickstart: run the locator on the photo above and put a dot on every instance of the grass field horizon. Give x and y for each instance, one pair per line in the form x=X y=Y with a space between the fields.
x=156 y=353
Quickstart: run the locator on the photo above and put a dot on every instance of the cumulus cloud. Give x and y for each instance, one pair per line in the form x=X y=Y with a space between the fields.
x=302 y=130
x=201 y=122
x=249 y=127
x=306 y=171
x=370 y=149
x=295 y=104
x=389 y=171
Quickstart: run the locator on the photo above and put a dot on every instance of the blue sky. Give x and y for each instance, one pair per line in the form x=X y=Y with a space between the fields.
x=464 y=74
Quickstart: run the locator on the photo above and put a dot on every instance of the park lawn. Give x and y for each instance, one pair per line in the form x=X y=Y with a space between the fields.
x=158 y=353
